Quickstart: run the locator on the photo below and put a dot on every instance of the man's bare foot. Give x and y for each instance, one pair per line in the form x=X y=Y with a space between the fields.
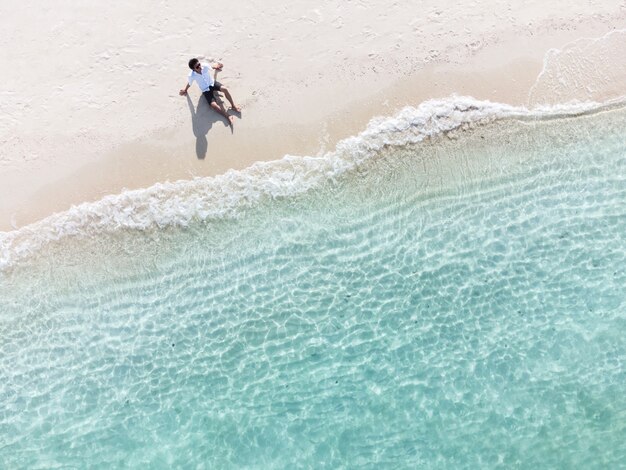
x=231 y=119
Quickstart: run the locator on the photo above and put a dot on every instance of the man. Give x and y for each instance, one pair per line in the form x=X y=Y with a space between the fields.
x=200 y=73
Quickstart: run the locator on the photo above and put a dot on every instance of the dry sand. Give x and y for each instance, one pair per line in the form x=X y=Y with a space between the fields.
x=89 y=100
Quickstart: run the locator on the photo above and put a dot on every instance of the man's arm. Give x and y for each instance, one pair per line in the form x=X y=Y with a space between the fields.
x=217 y=66
x=183 y=92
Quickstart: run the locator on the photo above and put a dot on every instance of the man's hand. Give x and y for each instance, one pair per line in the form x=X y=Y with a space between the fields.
x=218 y=66
x=182 y=92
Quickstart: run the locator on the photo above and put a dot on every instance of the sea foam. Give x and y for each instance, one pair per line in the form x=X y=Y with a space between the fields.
x=171 y=204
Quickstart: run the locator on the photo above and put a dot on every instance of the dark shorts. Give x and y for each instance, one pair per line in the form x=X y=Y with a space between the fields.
x=209 y=95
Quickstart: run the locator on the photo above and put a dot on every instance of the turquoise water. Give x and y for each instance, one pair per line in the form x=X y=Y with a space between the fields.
x=457 y=303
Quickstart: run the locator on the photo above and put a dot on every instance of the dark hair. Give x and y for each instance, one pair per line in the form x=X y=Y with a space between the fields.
x=193 y=62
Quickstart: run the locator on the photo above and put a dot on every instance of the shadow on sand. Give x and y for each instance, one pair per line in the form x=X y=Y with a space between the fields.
x=202 y=120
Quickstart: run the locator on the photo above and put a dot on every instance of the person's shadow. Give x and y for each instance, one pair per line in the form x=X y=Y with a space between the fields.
x=202 y=119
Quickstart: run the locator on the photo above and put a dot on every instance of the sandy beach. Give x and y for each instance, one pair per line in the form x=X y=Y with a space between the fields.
x=89 y=102
x=407 y=251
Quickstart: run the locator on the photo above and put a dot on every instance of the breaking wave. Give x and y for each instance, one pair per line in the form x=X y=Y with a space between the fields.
x=179 y=203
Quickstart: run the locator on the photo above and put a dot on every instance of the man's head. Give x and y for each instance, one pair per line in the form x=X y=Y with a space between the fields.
x=194 y=64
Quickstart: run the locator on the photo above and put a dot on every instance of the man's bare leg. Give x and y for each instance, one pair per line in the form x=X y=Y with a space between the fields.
x=230 y=99
x=220 y=110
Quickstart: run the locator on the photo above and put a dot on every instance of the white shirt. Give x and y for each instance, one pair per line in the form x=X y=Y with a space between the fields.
x=204 y=79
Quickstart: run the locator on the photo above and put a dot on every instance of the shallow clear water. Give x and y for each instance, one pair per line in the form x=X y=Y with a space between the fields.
x=458 y=303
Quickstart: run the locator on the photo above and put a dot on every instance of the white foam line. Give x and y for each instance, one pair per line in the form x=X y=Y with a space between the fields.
x=555 y=52
x=181 y=202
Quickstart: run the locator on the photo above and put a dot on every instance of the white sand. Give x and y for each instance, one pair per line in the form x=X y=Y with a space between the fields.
x=89 y=100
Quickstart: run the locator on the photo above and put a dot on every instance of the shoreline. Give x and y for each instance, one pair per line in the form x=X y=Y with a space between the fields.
x=503 y=70
x=183 y=203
